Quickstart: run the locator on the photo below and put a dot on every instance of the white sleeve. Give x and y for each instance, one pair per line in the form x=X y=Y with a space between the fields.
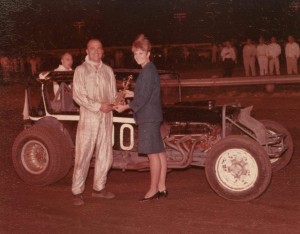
x=80 y=94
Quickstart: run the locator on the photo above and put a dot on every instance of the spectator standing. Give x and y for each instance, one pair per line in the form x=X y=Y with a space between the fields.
x=228 y=58
x=4 y=61
x=262 y=58
x=15 y=65
x=119 y=59
x=273 y=52
x=220 y=48
x=185 y=53
x=14 y=68
x=33 y=64
x=38 y=63
x=22 y=64
x=166 y=54
x=214 y=53
x=249 y=53
x=292 y=55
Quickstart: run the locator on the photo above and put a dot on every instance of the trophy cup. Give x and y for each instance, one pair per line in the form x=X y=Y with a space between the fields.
x=121 y=94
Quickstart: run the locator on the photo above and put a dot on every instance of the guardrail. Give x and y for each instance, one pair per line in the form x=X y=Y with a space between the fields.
x=268 y=81
x=232 y=81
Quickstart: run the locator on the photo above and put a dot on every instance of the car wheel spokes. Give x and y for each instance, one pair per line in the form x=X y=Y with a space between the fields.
x=35 y=157
x=236 y=170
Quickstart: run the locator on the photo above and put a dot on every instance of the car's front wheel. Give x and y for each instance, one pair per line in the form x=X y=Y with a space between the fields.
x=238 y=168
x=41 y=155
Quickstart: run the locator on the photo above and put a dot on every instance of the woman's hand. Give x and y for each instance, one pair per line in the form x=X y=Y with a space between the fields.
x=128 y=94
x=121 y=108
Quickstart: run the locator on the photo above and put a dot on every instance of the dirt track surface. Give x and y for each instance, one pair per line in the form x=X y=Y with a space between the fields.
x=192 y=206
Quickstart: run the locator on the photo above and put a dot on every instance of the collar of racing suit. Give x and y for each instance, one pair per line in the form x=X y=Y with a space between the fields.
x=94 y=64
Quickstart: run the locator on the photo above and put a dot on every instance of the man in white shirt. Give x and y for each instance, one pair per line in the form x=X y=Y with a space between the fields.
x=261 y=53
x=66 y=62
x=249 y=52
x=66 y=65
x=228 y=58
x=292 y=55
x=273 y=52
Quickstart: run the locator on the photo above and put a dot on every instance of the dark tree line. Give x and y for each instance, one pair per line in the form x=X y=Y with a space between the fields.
x=44 y=24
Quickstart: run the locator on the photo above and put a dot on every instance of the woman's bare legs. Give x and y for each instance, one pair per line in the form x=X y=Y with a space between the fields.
x=158 y=171
x=163 y=171
x=155 y=174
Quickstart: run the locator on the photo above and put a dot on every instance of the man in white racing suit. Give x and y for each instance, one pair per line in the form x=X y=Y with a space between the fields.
x=94 y=89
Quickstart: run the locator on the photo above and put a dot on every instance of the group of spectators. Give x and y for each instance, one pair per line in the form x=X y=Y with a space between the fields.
x=13 y=68
x=266 y=54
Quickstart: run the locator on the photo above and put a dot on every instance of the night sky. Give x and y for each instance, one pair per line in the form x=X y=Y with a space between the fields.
x=45 y=24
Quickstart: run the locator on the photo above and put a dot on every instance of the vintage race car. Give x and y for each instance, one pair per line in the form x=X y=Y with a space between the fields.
x=238 y=152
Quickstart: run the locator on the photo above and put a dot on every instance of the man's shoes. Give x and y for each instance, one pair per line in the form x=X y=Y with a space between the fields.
x=103 y=194
x=78 y=200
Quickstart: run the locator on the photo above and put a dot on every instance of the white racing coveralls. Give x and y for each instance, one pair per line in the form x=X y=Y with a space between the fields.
x=93 y=86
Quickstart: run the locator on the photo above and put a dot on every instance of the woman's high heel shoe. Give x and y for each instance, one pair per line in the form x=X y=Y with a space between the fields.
x=154 y=197
x=164 y=193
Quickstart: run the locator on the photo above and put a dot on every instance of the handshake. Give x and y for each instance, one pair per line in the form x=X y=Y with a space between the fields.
x=121 y=106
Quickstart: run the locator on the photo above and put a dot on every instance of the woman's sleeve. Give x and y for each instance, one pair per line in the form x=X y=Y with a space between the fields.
x=143 y=90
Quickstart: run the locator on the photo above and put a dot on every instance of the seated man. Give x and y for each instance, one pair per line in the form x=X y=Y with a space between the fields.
x=66 y=65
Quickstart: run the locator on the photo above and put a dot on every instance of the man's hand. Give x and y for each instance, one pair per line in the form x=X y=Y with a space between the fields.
x=105 y=107
x=128 y=94
x=121 y=108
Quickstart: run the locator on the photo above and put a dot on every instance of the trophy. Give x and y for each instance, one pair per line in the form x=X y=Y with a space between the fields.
x=121 y=94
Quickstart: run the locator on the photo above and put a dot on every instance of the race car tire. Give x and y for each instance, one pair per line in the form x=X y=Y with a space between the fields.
x=41 y=155
x=238 y=168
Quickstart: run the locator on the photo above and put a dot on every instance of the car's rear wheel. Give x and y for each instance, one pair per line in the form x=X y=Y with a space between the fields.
x=284 y=148
x=238 y=168
x=41 y=155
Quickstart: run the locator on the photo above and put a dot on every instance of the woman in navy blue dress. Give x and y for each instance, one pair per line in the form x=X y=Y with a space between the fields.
x=146 y=106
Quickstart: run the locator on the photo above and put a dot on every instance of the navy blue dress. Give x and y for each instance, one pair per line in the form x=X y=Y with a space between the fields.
x=146 y=106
